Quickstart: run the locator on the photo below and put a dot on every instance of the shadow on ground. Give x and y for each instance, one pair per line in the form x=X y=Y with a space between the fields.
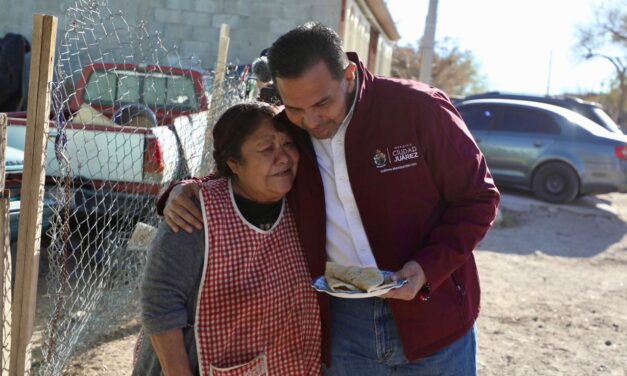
x=585 y=228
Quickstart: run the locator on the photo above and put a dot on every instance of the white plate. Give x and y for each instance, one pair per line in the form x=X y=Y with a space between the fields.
x=320 y=284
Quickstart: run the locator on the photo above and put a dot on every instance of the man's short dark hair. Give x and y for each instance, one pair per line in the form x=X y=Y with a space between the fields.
x=305 y=46
x=261 y=69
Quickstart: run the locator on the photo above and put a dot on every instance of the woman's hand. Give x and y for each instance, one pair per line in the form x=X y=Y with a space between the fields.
x=170 y=349
x=180 y=211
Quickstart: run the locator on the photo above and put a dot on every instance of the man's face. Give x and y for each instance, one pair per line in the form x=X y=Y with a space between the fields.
x=316 y=101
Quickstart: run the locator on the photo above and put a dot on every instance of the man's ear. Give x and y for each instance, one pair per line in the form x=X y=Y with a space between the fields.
x=350 y=73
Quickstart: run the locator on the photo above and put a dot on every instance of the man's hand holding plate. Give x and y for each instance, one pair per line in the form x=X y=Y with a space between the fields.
x=415 y=277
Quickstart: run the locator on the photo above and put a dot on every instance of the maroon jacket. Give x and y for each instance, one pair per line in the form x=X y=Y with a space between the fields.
x=424 y=193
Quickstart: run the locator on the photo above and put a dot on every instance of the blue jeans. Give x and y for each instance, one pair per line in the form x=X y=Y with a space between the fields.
x=365 y=342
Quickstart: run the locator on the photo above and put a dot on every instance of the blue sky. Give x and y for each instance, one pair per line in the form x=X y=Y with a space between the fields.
x=514 y=40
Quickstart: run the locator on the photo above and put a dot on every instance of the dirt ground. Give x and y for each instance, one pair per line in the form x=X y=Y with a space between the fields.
x=554 y=302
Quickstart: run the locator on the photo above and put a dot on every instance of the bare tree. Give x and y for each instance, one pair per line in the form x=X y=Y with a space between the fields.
x=454 y=70
x=606 y=38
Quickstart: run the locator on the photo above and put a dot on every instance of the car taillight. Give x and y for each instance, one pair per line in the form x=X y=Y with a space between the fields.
x=621 y=152
x=153 y=157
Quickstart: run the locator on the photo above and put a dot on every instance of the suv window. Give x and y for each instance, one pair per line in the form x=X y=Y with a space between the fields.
x=477 y=117
x=605 y=120
x=587 y=109
x=527 y=120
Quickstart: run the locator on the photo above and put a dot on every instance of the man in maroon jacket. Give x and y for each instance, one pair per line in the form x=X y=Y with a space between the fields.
x=389 y=177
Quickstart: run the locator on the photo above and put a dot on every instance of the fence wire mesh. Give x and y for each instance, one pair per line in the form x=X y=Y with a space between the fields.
x=5 y=253
x=6 y=286
x=130 y=116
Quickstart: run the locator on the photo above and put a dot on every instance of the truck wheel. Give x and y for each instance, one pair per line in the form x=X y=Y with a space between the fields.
x=555 y=182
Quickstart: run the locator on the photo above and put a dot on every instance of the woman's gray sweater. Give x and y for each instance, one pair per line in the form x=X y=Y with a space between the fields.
x=168 y=293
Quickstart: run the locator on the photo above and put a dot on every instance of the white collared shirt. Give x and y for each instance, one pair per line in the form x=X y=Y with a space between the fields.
x=347 y=243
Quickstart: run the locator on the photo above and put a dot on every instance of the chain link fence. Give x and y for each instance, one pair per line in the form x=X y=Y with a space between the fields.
x=130 y=117
x=5 y=253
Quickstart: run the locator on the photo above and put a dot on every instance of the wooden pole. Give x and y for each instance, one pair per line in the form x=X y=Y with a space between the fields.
x=29 y=234
x=3 y=149
x=217 y=94
x=5 y=283
x=5 y=256
x=427 y=44
x=223 y=51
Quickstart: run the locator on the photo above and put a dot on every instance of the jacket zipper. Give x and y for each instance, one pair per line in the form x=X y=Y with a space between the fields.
x=459 y=287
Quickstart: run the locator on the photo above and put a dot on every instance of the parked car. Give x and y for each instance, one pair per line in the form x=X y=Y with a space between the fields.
x=554 y=152
x=591 y=110
x=14 y=162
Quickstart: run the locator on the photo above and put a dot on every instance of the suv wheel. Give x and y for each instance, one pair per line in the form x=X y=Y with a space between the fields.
x=556 y=182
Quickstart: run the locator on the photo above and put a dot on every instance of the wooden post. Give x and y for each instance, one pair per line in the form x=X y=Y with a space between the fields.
x=3 y=149
x=217 y=94
x=5 y=256
x=223 y=51
x=29 y=234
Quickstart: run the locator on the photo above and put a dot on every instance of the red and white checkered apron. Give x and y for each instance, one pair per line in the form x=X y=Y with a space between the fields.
x=256 y=312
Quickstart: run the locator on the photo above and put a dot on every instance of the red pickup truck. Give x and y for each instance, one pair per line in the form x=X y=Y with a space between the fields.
x=122 y=167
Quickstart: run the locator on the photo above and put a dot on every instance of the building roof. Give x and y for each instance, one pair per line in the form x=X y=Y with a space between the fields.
x=380 y=10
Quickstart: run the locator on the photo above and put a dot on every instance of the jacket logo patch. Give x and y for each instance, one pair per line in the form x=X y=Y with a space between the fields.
x=400 y=157
x=380 y=159
x=404 y=153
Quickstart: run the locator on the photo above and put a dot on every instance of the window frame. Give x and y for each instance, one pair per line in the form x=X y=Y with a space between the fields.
x=194 y=102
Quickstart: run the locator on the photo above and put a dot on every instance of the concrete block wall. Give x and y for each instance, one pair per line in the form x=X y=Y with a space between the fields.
x=254 y=24
x=193 y=25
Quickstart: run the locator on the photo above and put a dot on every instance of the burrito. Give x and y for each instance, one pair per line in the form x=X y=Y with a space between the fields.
x=352 y=278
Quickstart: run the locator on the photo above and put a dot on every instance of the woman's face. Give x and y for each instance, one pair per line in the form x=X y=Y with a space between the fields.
x=268 y=165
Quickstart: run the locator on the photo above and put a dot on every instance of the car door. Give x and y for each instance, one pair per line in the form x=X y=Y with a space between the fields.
x=479 y=119
x=14 y=167
x=520 y=137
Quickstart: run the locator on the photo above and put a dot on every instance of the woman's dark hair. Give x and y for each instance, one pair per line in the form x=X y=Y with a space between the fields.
x=234 y=127
x=305 y=46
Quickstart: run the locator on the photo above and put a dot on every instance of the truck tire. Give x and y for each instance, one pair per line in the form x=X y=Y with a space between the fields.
x=555 y=182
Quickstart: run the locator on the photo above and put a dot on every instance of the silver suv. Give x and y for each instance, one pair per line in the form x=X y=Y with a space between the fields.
x=591 y=110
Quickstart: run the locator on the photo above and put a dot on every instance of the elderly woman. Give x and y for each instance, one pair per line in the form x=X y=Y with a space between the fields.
x=236 y=298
